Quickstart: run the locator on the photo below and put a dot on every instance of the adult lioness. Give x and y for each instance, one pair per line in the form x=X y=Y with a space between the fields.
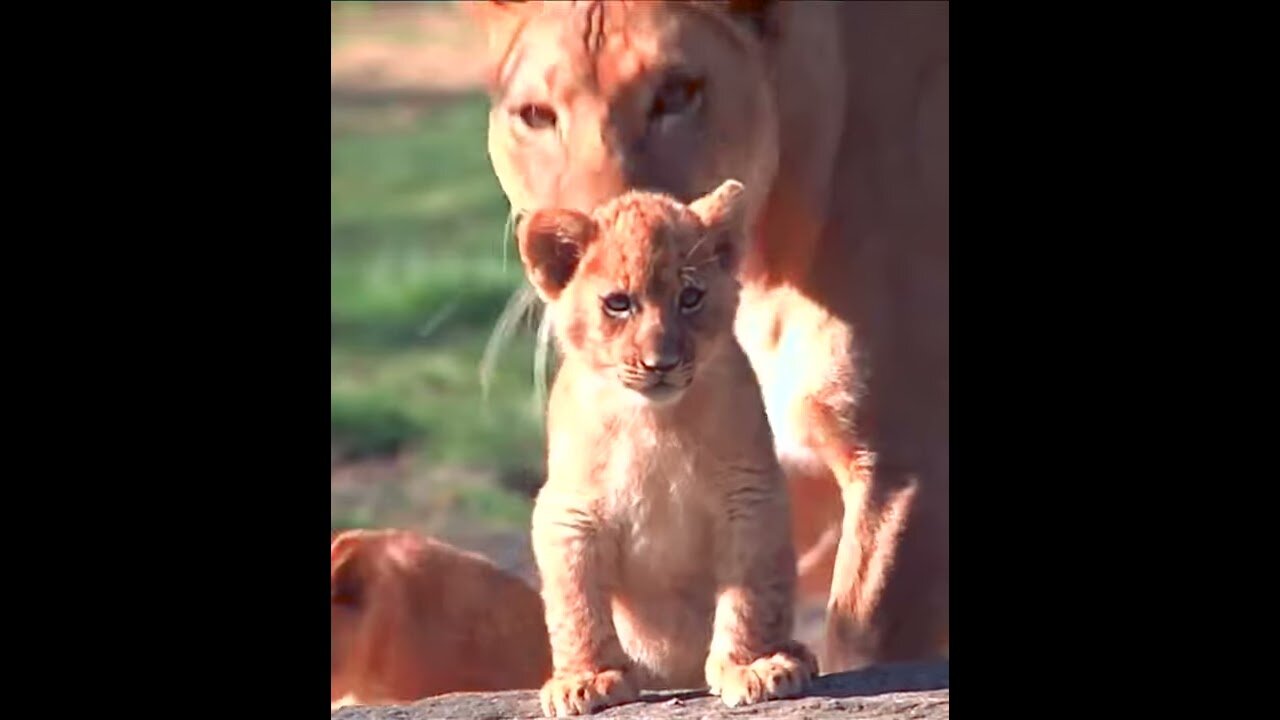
x=835 y=116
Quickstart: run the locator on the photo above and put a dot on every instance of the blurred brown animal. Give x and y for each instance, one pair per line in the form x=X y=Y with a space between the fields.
x=412 y=617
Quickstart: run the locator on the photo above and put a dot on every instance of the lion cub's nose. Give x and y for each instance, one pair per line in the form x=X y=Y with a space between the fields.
x=660 y=362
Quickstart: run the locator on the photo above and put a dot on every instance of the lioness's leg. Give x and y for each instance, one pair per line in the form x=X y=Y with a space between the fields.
x=863 y=555
x=816 y=516
x=753 y=656
x=886 y=603
x=591 y=670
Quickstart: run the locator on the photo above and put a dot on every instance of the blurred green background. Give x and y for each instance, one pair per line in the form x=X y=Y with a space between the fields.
x=420 y=274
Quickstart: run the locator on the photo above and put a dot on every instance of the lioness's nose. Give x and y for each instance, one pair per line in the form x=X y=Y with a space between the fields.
x=660 y=361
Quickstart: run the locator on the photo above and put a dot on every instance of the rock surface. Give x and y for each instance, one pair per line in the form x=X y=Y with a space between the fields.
x=893 y=691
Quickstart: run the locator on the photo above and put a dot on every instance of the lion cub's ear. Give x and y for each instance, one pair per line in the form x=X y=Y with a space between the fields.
x=721 y=212
x=552 y=243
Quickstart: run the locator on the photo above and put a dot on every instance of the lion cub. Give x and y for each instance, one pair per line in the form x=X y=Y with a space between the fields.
x=662 y=534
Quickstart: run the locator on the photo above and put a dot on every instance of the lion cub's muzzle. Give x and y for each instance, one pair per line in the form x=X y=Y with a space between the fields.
x=659 y=380
x=662 y=366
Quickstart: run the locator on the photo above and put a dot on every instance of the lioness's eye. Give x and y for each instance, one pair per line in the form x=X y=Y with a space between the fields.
x=537 y=117
x=617 y=304
x=690 y=299
x=675 y=96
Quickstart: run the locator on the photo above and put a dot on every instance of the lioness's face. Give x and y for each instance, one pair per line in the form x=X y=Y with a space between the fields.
x=592 y=100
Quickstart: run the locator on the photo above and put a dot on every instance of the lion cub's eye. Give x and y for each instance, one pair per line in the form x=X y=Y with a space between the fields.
x=617 y=304
x=675 y=96
x=690 y=299
x=537 y=117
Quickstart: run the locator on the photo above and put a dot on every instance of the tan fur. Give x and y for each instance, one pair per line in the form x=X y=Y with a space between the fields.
x=662 y=532
x=835 y=114
x=413 y=617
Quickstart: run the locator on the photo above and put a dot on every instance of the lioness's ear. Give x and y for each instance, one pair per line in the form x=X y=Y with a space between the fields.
x=552 y=243
x=499 y=18
x=721 y=212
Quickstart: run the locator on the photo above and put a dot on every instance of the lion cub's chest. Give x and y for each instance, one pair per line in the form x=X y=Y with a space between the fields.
x=658 y=503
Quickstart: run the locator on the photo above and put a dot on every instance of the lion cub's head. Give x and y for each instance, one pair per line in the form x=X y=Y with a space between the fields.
x=643 y=290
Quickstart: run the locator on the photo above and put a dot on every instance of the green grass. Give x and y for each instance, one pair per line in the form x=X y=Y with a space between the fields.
x=419 y=277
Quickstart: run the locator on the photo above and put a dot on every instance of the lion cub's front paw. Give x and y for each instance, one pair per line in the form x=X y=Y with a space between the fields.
x=583 y=693
x=782 y=674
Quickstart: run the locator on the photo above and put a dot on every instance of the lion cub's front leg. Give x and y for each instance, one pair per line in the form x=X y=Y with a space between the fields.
x=753 y=657
x=591 y=670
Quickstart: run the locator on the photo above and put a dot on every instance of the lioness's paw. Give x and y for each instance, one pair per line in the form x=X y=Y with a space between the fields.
x=782 y=674
x=584 y=693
